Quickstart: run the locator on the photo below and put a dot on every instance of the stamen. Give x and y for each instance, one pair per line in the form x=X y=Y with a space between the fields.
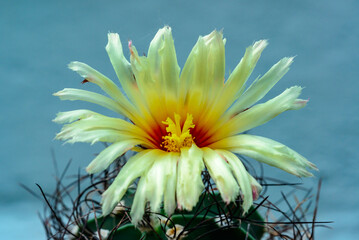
x=177 y=138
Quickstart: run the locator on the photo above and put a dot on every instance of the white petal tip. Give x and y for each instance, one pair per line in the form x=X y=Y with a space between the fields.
x=61 y=93
x=57 y=94
x=166 y=29
x=78 y=67
x=113 y=41
x=59 y=118
x=288 y=61
x=113 y=36
x=72 y=65
x=298 y=104
x=260 y=45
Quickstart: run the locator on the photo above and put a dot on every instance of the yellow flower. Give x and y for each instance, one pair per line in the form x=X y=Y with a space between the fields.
x=181 y=123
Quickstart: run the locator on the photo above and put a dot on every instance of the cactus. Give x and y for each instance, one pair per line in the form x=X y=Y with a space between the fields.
x=72 y=214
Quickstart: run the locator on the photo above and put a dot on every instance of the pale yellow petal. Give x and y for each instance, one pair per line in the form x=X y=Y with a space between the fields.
x=163 y=67
x=256 y=187
x=205 y=64
x=257 y=115
x=171 y=182
x=242 y=176
x=239 y=76
x=155 y=184
x=150 y=89
x=139 y=202
x=127 y=78
x=267 y=151
x=135 y=167
x=162 y=59
x=71 y=116
x=261 y=87
x=221 y=174
x=121 y=66
x=156 y=179
x=87 y=96
x=102 y=81
x=135 y=114
x=108 y=86
x=83 y=130
x=203 y=74
x=109 y=154
x=215 y=61
x=130 y=80
x=233 y=87
x=189 y=180
x=97 y=135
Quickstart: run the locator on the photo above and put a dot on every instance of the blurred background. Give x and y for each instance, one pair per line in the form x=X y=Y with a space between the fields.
x=39 y=38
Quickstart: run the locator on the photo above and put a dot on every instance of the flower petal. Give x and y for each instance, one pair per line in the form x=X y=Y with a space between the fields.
x=261 y=87
x=94 y=136
x=215 y=59
x=206 y=62
x=121 y=66
x=157 y=182
x=164 y=69
x=258 y=115
x=221 y=174
x=157 y=177
x=134 y=168
x=102 y=81
x=163 y=61
x=298 y=104
x=234 y=86
x=139 y=202
x=71 y=116
x=189 y=178
x=267 y=151
x=95 y=127
x=108 y=86
x=150 y=90
x=242 y=176
x=109 y=154
x=170 y=190
x=73 y=94
x=239 y=76
x=203 y=73
x=256 y=187
x=127 y=78
x=98 y=121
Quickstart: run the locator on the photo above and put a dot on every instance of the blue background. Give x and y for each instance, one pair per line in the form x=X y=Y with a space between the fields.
x=39 y=38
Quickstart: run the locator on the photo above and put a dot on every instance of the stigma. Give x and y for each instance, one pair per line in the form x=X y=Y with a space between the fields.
x=178 y=133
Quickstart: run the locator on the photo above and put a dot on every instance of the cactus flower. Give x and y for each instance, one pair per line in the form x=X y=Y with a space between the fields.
x=181 y=122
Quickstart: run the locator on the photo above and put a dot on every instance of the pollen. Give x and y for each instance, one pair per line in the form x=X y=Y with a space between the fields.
x=178 y=134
